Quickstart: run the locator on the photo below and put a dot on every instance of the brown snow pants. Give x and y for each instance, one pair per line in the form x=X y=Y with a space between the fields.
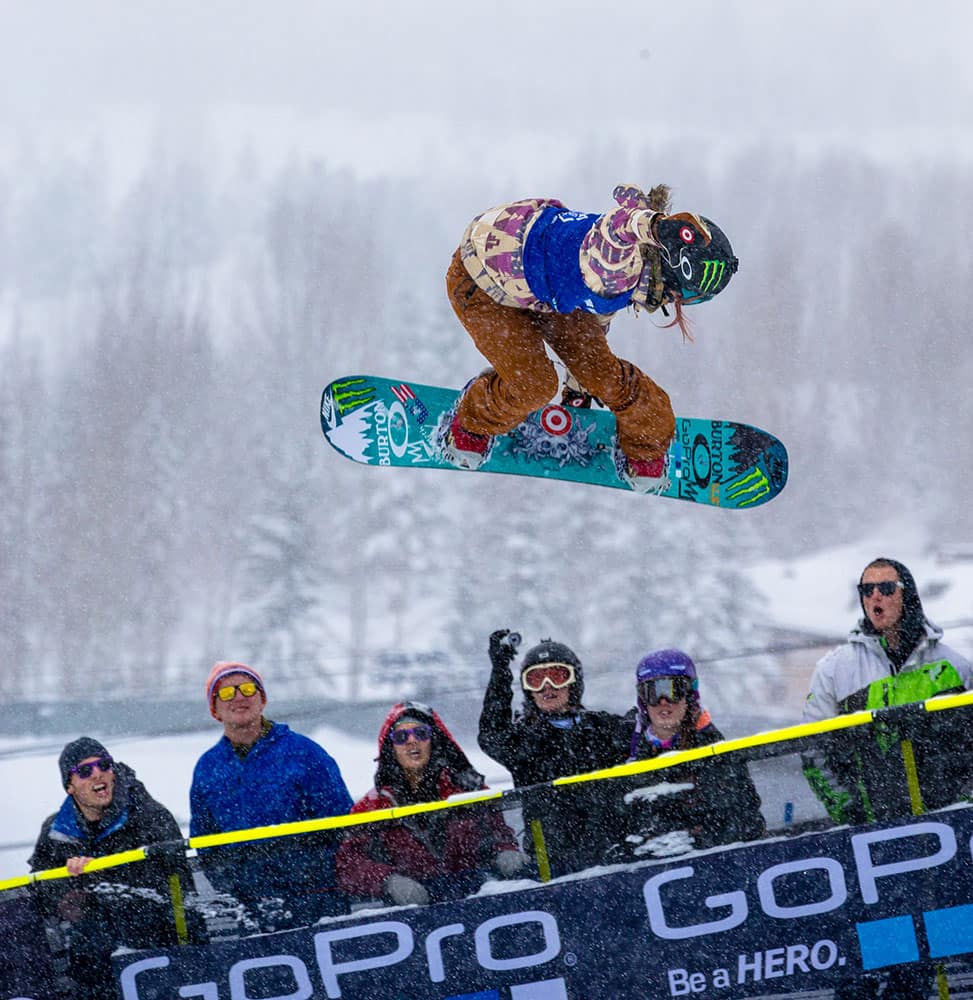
x=523 y=378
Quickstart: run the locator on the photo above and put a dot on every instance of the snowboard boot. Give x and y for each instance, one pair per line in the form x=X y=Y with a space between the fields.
x=573 y=393
x=461 y=447
x=643 y=476
x=577 y=398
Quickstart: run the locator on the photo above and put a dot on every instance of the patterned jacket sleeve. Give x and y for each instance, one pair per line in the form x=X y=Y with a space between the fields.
x=610 y=256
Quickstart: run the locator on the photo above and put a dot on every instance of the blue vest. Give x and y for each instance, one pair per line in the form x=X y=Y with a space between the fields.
x=551 y=264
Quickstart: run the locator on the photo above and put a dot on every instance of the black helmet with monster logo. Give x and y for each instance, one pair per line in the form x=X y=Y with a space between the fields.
x=696 y=257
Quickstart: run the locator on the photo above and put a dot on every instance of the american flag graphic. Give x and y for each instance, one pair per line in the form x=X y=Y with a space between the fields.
x=403 y=393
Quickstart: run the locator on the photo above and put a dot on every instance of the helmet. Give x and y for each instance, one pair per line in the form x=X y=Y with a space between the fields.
x=549 y=651
x=666 y=663
x=697 y=259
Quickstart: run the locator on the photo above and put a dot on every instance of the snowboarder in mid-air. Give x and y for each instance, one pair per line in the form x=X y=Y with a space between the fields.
x=532 y=274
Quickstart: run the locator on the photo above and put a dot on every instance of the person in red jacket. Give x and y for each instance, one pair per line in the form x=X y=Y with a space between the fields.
x=426 y=857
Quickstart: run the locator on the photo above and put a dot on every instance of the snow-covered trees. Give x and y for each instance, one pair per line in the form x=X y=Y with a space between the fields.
x=166 y=498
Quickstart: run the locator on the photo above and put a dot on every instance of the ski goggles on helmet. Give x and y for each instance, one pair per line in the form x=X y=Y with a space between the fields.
x=558 y=675
x=228 y=692
x=104 y=764
x=885 y=587
x=671 y=688
x=400 y=737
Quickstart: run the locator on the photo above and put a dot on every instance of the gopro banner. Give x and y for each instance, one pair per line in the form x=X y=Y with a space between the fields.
x=26 y=969
x=775 y=917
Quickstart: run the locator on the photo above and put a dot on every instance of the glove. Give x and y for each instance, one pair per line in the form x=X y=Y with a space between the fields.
x=404 y=891
x=503 y=648
x=647 y=210
x=632 y=196
x=510 y=862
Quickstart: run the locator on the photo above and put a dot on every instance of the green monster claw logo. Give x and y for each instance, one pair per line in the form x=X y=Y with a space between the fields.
x=351 y=394
x=713 y=271
x=749 y=490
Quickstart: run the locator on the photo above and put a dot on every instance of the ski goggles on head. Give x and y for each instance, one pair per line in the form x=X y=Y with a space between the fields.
x=228 y=692
x=104 y=764
x=886 y=587
x=400 y=737
x=558 y=675
x=671 y=688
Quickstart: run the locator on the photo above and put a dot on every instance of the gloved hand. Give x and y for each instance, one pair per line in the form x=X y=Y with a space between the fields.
x=632 y=196
x=646 y=210
x=510 y=862
x=503 y=648
x=404 y=891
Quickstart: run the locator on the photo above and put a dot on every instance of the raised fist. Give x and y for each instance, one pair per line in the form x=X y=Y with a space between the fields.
x=503 y=648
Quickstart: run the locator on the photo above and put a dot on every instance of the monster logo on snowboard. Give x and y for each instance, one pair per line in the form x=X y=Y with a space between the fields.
x=379 y=421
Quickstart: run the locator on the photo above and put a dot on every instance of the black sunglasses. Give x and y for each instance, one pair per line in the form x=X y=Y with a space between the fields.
x=673 y=689
x=104 y=764
x=886 y=588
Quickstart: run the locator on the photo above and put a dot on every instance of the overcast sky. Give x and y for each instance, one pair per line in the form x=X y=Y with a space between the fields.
x=894 y=72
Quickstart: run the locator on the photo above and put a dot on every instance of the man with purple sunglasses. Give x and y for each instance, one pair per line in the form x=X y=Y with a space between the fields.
x=107 y=810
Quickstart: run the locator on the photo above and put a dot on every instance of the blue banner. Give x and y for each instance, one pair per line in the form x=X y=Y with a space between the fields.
x=26 y=966
x=775 y=917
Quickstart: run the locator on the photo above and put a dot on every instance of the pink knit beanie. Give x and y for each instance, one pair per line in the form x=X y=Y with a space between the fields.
x=223 y=669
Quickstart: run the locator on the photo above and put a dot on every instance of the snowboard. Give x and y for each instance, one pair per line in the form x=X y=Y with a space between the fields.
x=382 y=421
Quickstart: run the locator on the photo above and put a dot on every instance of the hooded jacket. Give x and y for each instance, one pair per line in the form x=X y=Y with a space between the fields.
x=860 y=675
x=433 y=848
x=856 y=777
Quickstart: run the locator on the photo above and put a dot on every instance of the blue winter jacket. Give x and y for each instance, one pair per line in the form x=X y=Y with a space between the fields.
x=285 y=777
x=551 y=267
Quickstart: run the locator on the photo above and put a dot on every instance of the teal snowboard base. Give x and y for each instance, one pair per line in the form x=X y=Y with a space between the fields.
x=720 y=463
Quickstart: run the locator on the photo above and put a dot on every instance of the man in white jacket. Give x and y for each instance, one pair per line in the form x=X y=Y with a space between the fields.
x=894 y=656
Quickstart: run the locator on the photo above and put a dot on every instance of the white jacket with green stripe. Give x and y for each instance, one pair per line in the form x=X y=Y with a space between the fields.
x=860 y=778
x=859 y=675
